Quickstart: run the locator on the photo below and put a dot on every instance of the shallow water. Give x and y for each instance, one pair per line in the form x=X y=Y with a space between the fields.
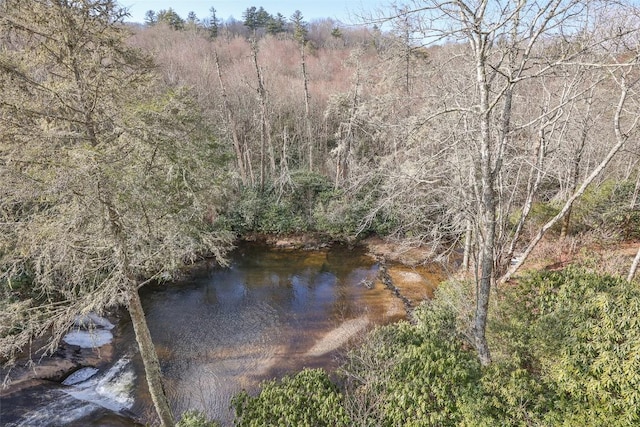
x=271 y=312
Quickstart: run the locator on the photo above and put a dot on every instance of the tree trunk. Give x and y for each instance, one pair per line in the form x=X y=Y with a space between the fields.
x=231 y=123
x=307 y=107
x=634 y=266
x=261 y=99
x=566 y=223
x=140 y=328
x=343 y=158
x=483 y=288
x=149 y=357
x=487 y=209
x=532 y=188
x=467 y=246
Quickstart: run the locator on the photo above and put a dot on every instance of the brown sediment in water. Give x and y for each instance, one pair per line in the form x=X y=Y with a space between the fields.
x=381 y=304
x=339 y=336
x=415 y=283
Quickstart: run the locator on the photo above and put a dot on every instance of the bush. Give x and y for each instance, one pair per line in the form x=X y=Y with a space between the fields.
x=578 y=332
x=355 y=212
x=412 y=375
x=607 y=207
x=566 y=349
x=194 y=418
x=604 y=208
x=280 y=210
x=308 y=203
x=306 y=399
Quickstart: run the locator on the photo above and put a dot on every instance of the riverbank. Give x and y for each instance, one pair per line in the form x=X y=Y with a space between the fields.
x=400 y=252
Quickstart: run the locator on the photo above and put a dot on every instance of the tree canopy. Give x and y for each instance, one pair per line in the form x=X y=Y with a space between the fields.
x=109 y=179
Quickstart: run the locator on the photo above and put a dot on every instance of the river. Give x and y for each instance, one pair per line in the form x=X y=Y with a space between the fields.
x=221 y=330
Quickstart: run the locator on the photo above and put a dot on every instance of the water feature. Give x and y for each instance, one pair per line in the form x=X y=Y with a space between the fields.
x=224 y=329
x=87 y=397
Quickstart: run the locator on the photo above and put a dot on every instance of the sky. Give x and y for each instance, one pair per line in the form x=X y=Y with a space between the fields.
x=345 y=11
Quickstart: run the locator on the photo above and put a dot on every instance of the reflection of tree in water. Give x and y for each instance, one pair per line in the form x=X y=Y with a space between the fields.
x=351 y=268
x=231 y=327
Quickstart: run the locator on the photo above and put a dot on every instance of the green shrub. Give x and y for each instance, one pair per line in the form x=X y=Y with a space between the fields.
x=507 y=395
x=566 y=351
x=412 y=375
x=306 y=399
x=579 y=333
x=194 y=418
x=606 y=207
x=277 y=210
x=308 y=202
x=355 y=212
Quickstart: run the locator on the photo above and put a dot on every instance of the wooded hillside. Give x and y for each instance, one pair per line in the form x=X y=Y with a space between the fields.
x=472 y=128
x=476 y=137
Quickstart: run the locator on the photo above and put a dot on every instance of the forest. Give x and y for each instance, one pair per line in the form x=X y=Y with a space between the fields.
x=501 y=137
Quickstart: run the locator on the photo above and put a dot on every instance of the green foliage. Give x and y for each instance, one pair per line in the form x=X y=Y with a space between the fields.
x=541 y=213
x=566 y=346
x=507 y=395
x=281 y=210
x=306 y=399
x=255 y=18
x=607 y=207
x=310 y=203
x=214 y=23
x=273 y=211
x=300 y=30
x=171 y=18
x=276 y=24
x=578 y=332
x=350 y=213
x=413 y=375
x=457 y=297
x=195 y=419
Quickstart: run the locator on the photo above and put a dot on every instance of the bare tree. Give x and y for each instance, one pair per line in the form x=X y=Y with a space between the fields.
x=508 y=45
x=621 y=137
x=231 y=121
x=300 y=35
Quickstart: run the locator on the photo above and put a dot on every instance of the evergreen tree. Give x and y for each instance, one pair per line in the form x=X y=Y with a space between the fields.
x=276 y=24
x=214 y=23
x=171 y=18
x=255 y=18
x=107 y=180
x=150 y=18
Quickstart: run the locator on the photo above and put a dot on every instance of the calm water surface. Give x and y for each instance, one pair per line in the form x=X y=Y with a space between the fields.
x=269 y=313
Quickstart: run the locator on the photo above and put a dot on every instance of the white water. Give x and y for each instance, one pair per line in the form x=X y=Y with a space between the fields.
x=83 y=393
x=90 y=331
x=111 y=390
x=92 y=320
x=80 y=375
x=88 y=339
